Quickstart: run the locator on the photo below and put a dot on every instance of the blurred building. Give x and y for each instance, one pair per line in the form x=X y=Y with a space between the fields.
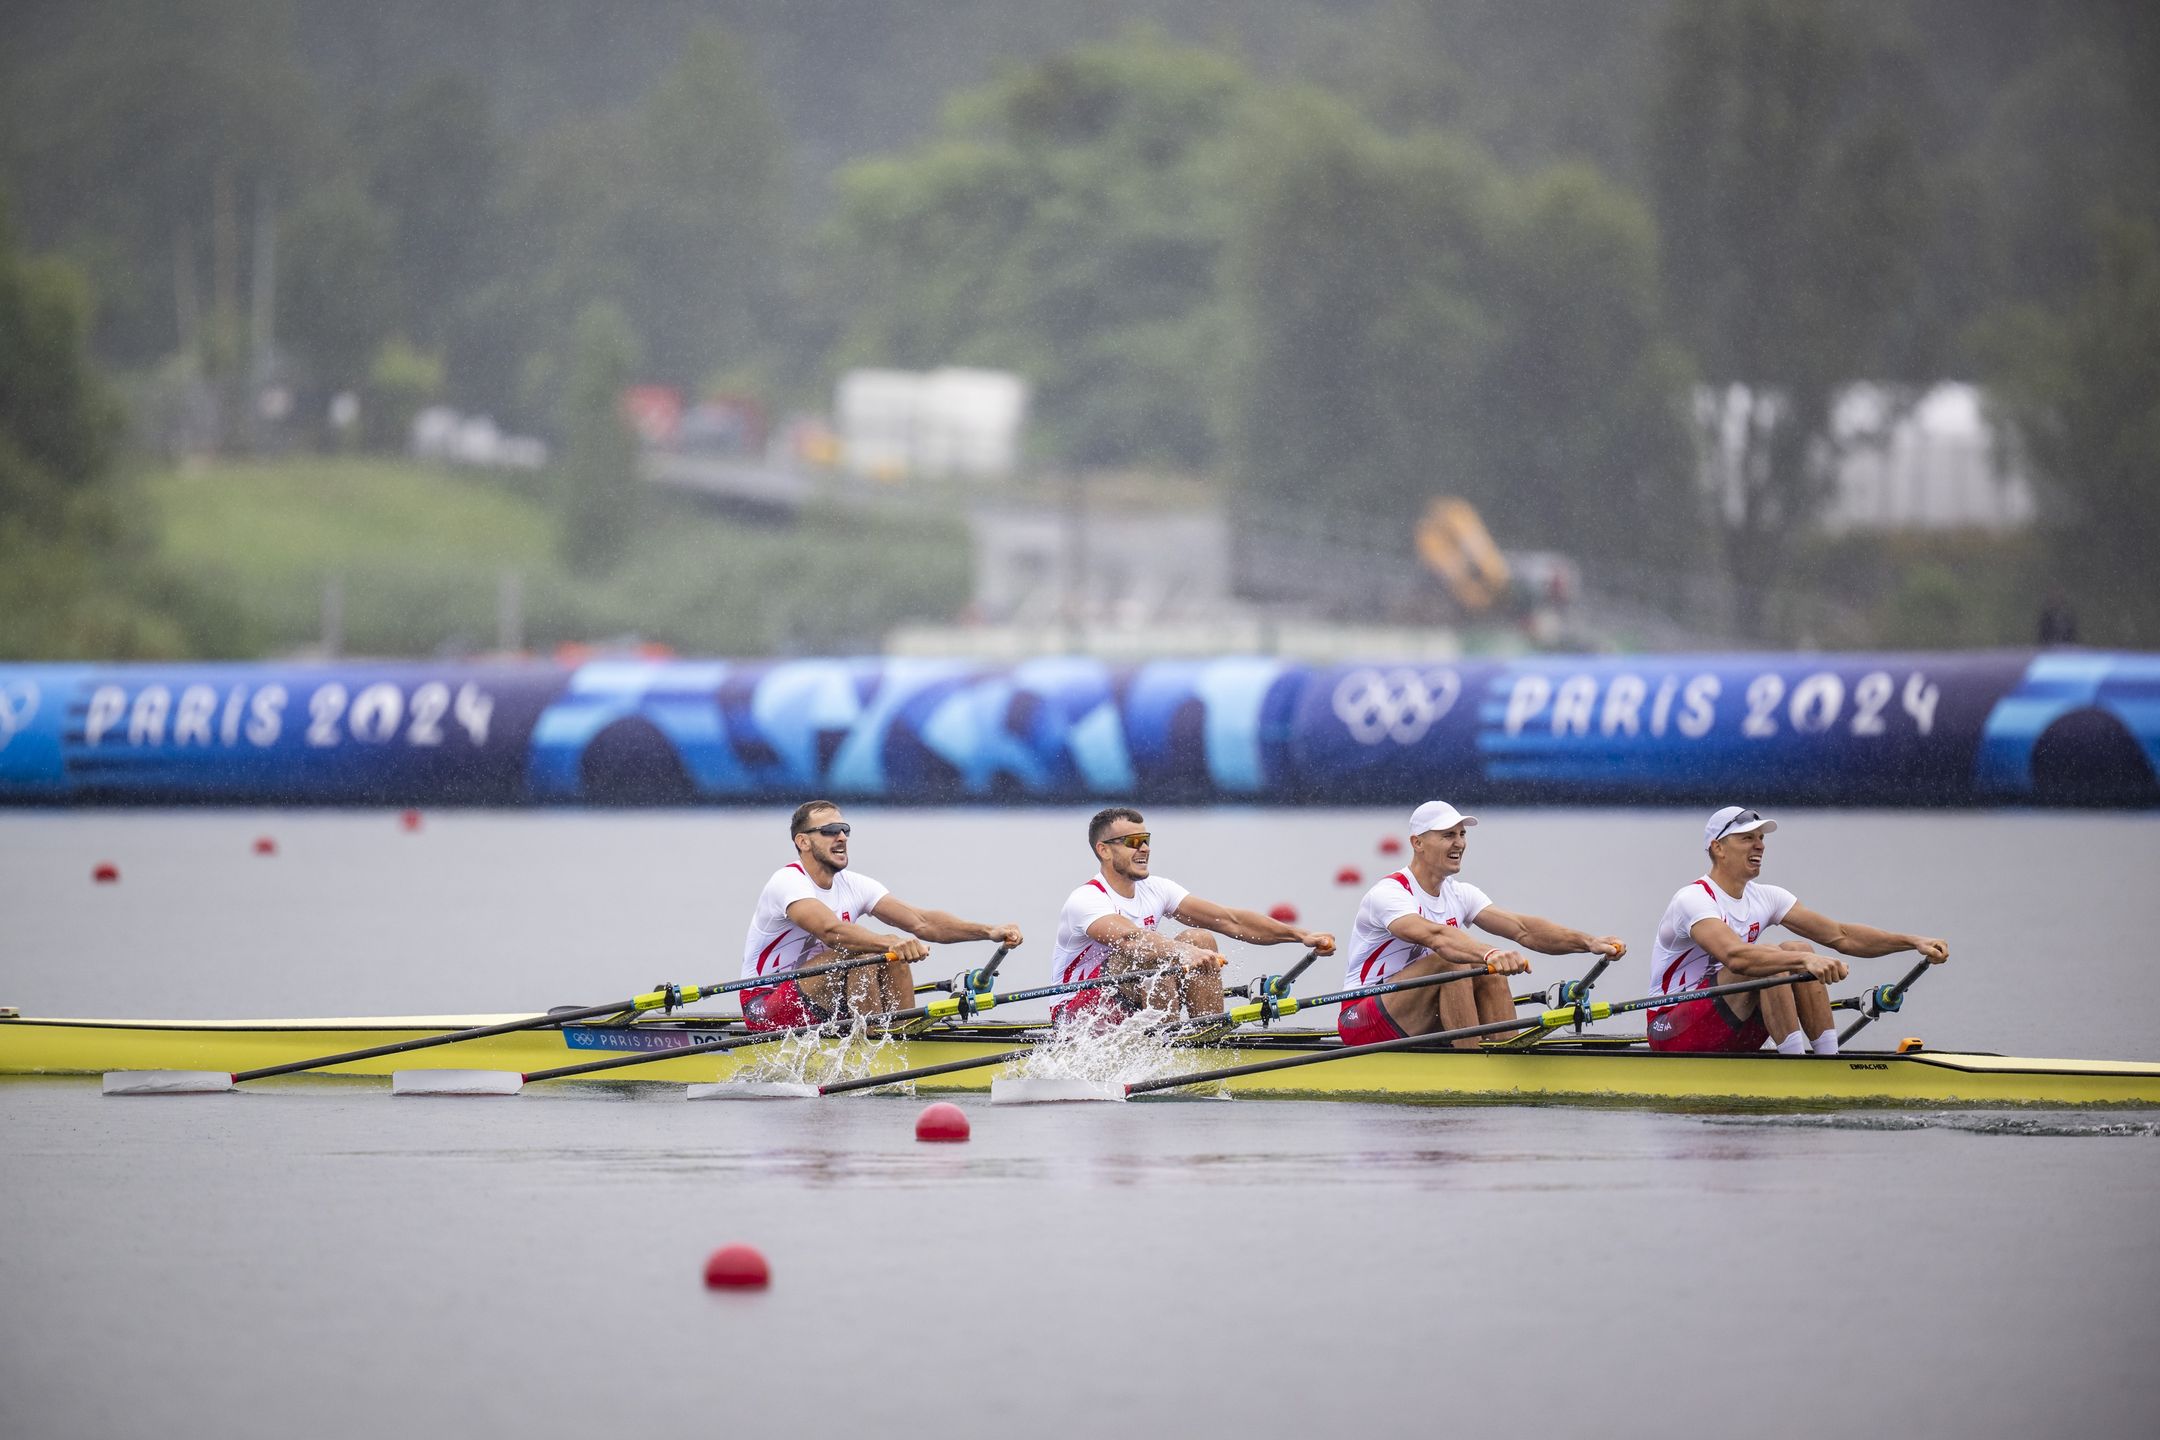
x=1905 y=459
x=905 y=424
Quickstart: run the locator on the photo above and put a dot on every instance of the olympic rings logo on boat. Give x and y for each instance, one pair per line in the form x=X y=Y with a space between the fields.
x=18 y=707
x=1399 y=705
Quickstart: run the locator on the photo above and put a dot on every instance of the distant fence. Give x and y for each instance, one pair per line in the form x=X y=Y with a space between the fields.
x=2061 y=727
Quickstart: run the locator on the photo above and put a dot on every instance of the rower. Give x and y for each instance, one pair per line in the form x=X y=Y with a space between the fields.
x=1110 y=925
x=814 y=907
x=1412 y=923
x=1711 y=935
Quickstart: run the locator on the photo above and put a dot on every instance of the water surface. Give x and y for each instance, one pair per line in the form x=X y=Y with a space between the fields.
x=321 y=1259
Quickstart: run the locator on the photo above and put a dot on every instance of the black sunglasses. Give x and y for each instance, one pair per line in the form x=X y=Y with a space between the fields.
x=837 y=827
x=1745 y=817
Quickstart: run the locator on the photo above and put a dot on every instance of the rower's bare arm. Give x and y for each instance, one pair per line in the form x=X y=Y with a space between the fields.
x=938 y=926
x=1722 y=944
x=1454 y=945
x=1864 y=942
x=1549 y=937
x=834 y=933
x=1248 y=925
x=1129 y=942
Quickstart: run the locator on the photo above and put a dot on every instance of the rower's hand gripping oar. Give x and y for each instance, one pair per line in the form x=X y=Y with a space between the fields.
x=1884 y=1000
x=1551 y=1019
x=664 y=997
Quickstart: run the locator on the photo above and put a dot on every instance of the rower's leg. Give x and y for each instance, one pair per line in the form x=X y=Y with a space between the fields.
x=1813 y=1003
x=1437 y=1007
x=1158 y=993
x=896 y=979
x=1495 y=1001
x=1202 y=988
x=1780 y=1015
x=866 y=989
x=823 y=991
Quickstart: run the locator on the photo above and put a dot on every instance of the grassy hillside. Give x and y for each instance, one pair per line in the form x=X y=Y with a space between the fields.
x=420 y=552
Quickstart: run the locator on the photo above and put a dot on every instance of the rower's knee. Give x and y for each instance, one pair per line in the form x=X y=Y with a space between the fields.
x=1800 y=945
x=1200 y=939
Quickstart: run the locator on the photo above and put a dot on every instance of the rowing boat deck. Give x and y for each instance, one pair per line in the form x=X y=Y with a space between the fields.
x=1594 y=1068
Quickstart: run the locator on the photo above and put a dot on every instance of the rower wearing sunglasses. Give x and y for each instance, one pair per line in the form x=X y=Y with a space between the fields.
x=1112 y=924
x=1711 y=935
x=815 y=907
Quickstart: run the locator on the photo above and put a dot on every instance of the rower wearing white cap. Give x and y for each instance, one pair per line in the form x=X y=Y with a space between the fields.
x=1711 y=935
x=1412 y=923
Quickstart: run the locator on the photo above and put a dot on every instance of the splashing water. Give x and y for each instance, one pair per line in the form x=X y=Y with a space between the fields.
x=815 y=1058
x=1109 y=1055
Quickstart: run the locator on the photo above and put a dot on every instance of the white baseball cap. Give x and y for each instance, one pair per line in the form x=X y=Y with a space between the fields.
x=1733 y=820
x=1437 y=815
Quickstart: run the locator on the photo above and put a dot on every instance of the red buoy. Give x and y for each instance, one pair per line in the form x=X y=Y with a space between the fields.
x=1391 y=844
x=1286 y=913
x=942 y=1121
x=736 y=1267
x=264 y=845
x=106 y=873
x=1348 y=875
x=410 y=820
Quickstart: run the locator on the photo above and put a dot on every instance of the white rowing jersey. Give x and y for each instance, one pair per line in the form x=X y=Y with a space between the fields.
x=1678 y=963
x=1079 y=956
x=1377 y=952
x=776 y=943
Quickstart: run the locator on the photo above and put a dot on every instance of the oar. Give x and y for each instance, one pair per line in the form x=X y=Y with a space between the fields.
x=188 y=1082
x=1551 y=1020
x=1566 y=996
x=1884 y=1000
x=507 y=1082
x=975 y=982
x=1267 y=1008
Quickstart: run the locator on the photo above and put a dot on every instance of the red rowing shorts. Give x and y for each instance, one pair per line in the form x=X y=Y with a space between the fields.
x=1706 y=1027
x=1094 y=1009
x=783 y=1007
x=1366 y=1021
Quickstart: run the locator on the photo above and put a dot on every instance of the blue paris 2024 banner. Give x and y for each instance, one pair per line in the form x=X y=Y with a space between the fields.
x=2061 y=727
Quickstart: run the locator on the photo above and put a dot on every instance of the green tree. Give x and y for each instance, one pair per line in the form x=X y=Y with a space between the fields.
x=141 y=148
x=1413 y=322
x=1790 y=205
x=1068 y=224
x=2080 y=385
x=599 y=470
x=67 y=558
x=338 y=295
x=703 y=231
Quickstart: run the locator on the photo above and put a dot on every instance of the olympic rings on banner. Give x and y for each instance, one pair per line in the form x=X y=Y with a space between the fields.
x=1399 y=705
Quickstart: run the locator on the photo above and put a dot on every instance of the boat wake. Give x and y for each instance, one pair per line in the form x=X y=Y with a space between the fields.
x=1990 y=1123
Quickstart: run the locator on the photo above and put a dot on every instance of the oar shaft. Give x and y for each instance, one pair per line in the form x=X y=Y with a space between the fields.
x=650 y=1000
x=1551 y=1019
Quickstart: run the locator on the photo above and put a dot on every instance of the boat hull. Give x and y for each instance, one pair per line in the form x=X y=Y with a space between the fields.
x=1596 y=1070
